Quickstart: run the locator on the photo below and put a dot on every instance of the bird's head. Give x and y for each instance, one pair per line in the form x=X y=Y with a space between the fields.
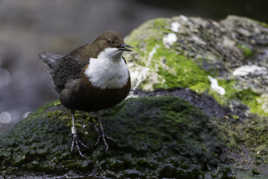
x=112 y=45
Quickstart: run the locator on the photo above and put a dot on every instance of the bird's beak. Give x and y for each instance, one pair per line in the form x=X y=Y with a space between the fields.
x=125 y=47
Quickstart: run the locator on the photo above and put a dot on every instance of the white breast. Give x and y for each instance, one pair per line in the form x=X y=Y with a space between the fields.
x=107 y=73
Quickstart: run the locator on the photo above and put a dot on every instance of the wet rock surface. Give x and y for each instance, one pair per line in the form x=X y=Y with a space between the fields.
x=157 y=137
x=205 y=103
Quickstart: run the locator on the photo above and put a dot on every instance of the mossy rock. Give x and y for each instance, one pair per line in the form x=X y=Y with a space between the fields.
x=188 y=52
x=156 y=137
x=226 y=60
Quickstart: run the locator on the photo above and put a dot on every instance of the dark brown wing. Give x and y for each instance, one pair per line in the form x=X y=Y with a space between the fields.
x=71 y=66
x=68 y=69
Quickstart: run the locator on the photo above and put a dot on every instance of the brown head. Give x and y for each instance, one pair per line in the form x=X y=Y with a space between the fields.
x=110 y=39
x=111 y=44
x=107 y=40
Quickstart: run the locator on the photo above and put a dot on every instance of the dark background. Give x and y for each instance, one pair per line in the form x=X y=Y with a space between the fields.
x=215 y=9
x=32 y=26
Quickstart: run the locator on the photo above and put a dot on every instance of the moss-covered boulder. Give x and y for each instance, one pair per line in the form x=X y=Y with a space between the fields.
x=227 y=60
x=155 y=137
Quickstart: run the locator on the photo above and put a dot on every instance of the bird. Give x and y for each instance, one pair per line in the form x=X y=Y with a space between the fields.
x=90 y=78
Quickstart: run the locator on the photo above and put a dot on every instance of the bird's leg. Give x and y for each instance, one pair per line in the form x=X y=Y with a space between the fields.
x=75 y=140
x=102 y=135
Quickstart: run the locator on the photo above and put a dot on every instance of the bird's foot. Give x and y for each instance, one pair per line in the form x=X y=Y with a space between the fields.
x=76 y=142
x=102 y=136
x=104 y=139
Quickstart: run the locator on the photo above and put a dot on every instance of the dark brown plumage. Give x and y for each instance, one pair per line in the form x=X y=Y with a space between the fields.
x=80 y=94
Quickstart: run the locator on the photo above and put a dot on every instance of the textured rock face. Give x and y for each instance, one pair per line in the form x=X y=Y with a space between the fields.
x=156 y=137
x=224 y=59
x=227 y=60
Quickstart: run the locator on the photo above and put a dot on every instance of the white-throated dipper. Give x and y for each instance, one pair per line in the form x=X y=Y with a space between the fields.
x=90 y=78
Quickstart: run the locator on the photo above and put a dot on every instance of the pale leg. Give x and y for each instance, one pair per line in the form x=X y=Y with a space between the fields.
x=75 y=140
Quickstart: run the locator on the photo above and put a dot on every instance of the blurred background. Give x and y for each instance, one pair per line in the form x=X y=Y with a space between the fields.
x=33 y=26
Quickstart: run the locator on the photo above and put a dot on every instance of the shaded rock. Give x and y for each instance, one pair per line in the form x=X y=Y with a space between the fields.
x=205 y=103
x=157 y=137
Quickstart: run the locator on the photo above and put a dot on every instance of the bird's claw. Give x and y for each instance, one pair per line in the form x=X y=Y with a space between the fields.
x=76 y=143
x=104 y=139
x=102 y=136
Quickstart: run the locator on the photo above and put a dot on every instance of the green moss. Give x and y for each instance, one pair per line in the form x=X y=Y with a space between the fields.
x=250 y=98
x=263 y=24
x=154 y=30
x=160 y=23
x=247 y=51
x=200 y=87
x=187 y=73
x=230 y=90
x=146 y=134
x=247 y=96
x=180 y=71
x=256 y=107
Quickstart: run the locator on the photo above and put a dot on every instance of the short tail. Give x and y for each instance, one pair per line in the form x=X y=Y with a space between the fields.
x=50 y=59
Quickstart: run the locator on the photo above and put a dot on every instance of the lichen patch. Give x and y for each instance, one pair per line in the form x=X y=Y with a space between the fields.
x=175 y=26
x=215 y=86
x=249 y=69
x=169 y=39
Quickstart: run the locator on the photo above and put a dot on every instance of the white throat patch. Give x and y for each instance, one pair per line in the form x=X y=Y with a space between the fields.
x=108 y=70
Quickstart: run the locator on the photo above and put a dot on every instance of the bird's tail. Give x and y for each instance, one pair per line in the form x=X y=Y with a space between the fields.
x=50 y=59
